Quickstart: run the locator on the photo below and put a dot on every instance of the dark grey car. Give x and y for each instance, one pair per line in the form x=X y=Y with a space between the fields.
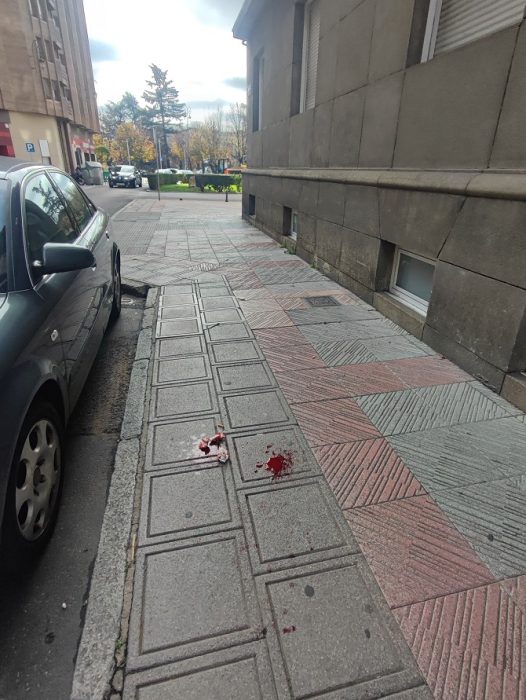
x=59 y=286
x=125 y=176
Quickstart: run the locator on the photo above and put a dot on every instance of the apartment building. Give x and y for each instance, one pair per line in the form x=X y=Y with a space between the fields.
x=387 y=147
x=48 y=109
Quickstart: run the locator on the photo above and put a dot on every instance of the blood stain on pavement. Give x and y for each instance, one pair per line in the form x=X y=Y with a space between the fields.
x=278 y=465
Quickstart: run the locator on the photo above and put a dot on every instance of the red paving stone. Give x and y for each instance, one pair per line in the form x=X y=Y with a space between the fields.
x=327 y=422
x=269 y=338
x=471 y=644
x=287 y=358
x=427 y=371
x=339 y=382
x=414 y=551
x=292 y=303
x=244 y=280
x=365 y=473
x=267 y=319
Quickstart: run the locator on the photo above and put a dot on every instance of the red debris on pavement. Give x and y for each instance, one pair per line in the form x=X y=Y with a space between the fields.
x=203 y=445
x=278 y=464
x=288 y=630
x=217 y=439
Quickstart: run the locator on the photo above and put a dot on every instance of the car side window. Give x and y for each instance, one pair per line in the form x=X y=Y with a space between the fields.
x=75 y=199
x=46 y=218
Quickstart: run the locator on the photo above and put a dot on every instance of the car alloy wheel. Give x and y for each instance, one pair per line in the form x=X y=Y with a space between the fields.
x=37 y=479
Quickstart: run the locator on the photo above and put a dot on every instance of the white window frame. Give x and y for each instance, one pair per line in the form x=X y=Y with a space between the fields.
x=304 y=55
x=416 y=303
x=430 y=37
x=294 y=229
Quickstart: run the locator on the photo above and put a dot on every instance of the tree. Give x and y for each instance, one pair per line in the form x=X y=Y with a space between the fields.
x=102 y=148
x=237 y=123
x=128 y=136
x=208 y=141
x=164 y=111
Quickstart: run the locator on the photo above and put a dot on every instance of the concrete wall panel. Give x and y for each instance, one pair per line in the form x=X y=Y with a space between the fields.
x=450 y=105
x=382 y=104
x=301 y=127
x=354 y=41
x=331 y=202
x=347 y=120
x=392 y=27
x=362 y=209
x=329 y=239
x=359 y=257
x=322 y=128
x=417 y=221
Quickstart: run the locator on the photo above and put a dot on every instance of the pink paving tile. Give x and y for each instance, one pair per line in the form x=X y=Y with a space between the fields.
x=292 y=303
x=339 y=382
x=328 y=422
x=427 y=371
x=243 y=280
x=471 y=644
x=255 y=305
x=414 y=551
x=287 y=358
x=365 y=473
x=269 y=338
x=267 y=319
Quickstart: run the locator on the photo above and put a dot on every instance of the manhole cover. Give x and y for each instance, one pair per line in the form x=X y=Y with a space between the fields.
x=322 y=301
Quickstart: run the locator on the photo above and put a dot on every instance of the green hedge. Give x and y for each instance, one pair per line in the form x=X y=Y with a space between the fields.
x=217 y=182
x=166 y=179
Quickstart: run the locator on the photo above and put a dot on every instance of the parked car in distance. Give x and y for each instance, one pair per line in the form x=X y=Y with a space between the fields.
x=59 y=286
x=125 y=176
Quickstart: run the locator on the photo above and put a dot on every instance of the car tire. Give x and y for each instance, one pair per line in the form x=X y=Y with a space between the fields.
x=133 y=185
x=140 y=182
x=35 y=486
x=111 y=185
x=117 y=291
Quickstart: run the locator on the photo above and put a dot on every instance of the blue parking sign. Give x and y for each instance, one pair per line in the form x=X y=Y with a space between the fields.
x=30 y=147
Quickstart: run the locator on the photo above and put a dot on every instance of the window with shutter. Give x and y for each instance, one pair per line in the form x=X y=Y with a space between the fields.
x=453 y=23
x=311 y=44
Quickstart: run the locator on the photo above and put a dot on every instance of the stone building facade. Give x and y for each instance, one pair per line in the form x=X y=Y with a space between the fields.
x=387 y=147
x=48 y=108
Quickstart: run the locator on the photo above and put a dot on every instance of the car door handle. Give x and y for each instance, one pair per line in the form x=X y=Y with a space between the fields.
x=54 y=336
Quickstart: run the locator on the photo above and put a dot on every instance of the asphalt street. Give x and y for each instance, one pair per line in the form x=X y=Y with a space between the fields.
x=42 y=615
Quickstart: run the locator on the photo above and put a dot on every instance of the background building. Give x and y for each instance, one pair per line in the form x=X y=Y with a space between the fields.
x=388 y=137
x=48 y=109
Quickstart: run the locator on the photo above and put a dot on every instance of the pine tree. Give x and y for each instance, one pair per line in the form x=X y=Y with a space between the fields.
x=164 y=109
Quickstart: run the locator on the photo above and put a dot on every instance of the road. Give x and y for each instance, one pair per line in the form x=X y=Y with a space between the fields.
x=112 y=200
x=38 y=635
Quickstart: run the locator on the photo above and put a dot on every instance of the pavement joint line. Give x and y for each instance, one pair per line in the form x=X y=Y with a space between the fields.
x=108 y=611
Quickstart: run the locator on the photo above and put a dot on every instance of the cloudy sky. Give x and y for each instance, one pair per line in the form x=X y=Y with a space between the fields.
x=191 y=38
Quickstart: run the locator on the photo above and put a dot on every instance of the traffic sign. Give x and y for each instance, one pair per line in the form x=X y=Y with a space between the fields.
x=30 y=147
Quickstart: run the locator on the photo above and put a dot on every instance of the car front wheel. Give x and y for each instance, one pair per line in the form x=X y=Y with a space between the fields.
x=111 y=184
x=117 y=292
x=35 y=485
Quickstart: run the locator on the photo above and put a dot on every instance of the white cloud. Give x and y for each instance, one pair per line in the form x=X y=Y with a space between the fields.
x=192 y=40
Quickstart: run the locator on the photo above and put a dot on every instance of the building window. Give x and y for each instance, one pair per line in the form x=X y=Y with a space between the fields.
x=257 y=93
x=47 y=89
x=294 y=225
x=412 y=280
x=78 y=157
x=290 y=223
x=252 y=205
x=37 y=9
x=41 y=53
x=453 y=23
x=56 y=90
x=49 y=51
x=311 y=45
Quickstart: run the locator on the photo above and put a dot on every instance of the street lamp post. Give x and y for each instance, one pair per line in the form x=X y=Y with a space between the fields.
x=128 y=149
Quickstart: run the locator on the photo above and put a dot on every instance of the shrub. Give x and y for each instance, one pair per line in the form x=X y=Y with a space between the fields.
x=168 y=179
x=219 y=183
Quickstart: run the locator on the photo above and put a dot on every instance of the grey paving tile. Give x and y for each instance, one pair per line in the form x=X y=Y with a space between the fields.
x=223 y=316
x=331 y=634
x=191 y=597
x=347 y=330
x=172 y=347
x=228 y=331
x=173 y=312
x=250 y=449
x=257 y=409
x=250 y=375
x=464 y=454
x=214 y=292
x=496 y=398
x=460 y=403
x=183 y=400
x=213 y=303
x=320 y=285
x=179 y=369
x=177 y=300
x=237 y=351
x=397 y=412
x=187 y=502
x=177 y=289
x=492 y=516
x=175 y=442
x=332 y=314
x=293 y=523
x=166 y=329
x=287 y=275
x=396 y=347
x=242 y=672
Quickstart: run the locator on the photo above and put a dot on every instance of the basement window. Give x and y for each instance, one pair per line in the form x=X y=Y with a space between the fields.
x=412 y=280
x=252 y=205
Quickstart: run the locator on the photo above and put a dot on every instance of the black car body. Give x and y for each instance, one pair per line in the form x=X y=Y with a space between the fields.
x=125 y=176
x=59 y=285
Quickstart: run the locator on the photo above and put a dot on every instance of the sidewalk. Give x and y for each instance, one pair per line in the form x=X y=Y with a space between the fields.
x=399 y=527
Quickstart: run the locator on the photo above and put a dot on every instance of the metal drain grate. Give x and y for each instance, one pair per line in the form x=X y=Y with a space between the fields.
x=322 y=301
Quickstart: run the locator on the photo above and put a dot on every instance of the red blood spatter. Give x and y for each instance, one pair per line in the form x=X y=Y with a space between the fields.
x=217 y=439
x=280 y=464
x=288 y=630
x=203 y=445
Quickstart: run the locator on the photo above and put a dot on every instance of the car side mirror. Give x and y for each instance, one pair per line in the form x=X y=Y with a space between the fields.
x=63 y=257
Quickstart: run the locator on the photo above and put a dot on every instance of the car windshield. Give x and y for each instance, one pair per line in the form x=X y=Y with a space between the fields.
x=126 y=168
x=3 y=236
